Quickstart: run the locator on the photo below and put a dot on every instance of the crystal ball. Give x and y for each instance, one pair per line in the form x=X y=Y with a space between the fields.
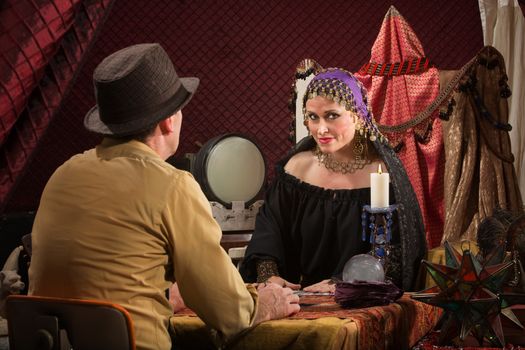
x=363 y=267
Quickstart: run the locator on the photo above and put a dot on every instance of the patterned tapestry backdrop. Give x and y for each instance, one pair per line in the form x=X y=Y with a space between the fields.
x=245 y=53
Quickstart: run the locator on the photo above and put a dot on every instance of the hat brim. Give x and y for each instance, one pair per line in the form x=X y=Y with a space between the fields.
x=92 y=121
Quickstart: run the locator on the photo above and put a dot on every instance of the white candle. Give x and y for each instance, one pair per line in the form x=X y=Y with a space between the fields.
x=379 y=194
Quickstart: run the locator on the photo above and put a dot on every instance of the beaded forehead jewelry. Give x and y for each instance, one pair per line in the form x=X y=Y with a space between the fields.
x=343 y=88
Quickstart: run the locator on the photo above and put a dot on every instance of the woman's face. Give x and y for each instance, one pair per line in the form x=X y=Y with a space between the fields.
x=330 y=124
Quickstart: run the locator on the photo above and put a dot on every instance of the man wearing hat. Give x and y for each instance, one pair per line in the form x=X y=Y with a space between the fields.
x=118 y=223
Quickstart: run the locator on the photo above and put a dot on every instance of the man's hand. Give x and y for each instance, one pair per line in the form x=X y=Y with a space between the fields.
x=176 y=299
x=283 y=283
x=325 y=286
x=275 y=302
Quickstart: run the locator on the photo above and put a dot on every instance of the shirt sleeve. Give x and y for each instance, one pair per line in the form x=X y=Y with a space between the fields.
x=208 y=281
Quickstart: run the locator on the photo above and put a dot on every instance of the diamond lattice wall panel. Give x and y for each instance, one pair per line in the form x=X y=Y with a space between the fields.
x=245 y=53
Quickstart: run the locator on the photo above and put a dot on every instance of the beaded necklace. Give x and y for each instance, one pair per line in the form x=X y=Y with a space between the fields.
x=337 y=166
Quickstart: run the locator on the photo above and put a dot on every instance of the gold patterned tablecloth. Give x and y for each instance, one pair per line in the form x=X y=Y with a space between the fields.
x=323 y=324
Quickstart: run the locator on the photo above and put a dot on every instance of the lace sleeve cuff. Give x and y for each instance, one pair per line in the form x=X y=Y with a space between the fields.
x=265 y=269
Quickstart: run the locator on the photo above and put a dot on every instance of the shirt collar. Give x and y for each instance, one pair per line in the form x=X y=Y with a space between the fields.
x=111 y=148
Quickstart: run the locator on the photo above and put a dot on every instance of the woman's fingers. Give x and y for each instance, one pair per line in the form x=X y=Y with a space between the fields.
x=292 y=285
x=321 y=287
x=283 y=283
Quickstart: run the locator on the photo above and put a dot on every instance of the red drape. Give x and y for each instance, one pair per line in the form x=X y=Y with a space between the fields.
x=398 y=96
x=42 y=44
x=244 y=52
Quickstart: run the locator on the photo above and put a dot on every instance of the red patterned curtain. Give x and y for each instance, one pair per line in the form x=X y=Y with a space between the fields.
x=42 y=45
x=244 y=52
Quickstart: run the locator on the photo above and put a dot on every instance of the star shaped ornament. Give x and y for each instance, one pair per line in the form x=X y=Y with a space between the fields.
x=471 y=294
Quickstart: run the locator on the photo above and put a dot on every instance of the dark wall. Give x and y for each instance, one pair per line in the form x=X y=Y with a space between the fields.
x=12 y=227
x=245 y=53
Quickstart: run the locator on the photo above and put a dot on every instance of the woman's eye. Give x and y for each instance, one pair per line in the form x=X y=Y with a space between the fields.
x=311 y=116
x=332 y=116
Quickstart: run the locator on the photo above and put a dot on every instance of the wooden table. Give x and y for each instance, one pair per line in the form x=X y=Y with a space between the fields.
x=323 y=324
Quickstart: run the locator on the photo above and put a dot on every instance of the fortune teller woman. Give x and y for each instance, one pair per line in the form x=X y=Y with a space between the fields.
x=310 y=223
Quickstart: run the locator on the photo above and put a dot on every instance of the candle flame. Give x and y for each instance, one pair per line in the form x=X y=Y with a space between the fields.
x=379 y=170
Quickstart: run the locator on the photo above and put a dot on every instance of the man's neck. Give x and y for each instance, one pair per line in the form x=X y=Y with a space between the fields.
x=158 y=145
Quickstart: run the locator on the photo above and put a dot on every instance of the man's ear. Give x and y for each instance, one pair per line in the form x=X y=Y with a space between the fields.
x=166 y=125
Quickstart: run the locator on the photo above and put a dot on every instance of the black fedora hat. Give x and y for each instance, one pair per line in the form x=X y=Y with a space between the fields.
x=135 y=88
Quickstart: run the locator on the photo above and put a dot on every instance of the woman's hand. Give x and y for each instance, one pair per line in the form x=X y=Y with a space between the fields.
x=283 y=283
x=326 y=286
x=176 y=299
